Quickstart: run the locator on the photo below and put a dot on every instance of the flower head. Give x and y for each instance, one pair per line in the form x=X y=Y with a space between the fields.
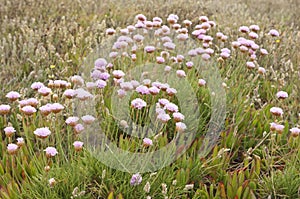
x=136 y=179
x=20 y=141
x=50 y=152
x=276 y=111
x=28 y=110
x=42 y=132
x=274 y=33
x=4 y=109
x=88 y=119
x=37 y=85
x=52 y=182
x=78 y=128
x=9 y=131
x=282 y=95
x=44 y=91
x=12 y=148
x=78 y=145
x=13 y=95
x=295 y=131
x=147 y=142
x=138 y=103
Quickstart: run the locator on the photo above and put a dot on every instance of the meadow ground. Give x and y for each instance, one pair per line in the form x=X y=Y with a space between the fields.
x=156 y=99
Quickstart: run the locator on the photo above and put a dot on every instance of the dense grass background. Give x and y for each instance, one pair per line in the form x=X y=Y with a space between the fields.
x=249 y=160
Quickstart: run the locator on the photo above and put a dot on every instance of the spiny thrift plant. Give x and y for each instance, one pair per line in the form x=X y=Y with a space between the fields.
x=163 y=108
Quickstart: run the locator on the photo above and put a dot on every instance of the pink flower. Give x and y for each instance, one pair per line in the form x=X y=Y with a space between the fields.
x=136 y=179
x=134 y=83
x=273 y=126
x=180 y=73
x=83 y=94
x=138 y=38
x=69 y=93
x=274 y=33
x=138 y=103
x=250 y=65
x=225 y=55
x=163 y=101
x=169 y=45
x=261 y=70
x=42 y=132
x=44 y=91
x=78 y=128
x=193 y=53
x=121 y=93
x=178 y=117
x=264 y=51
x=207 y=38
x=171 y=107
x=203 y=18
x=144 y=90
x=52 y=182
x=46 y=109
x=282 y=95
x=100 y=64
x=147 y=142
x=205 y=25
x=50 y=152
x=78 y=80
x=72 y=121
x=182 y=37
x=141 y=17
x=171 y=91
x=205 y=56
x=131 y=28
x=244 y=29
x=160 y=60
x=78 y=145
x=243 y=48
x=187 y=23
x=295 y=131
x=189 y=64
x=12 y=148
x=124 y=31
x=60 y=83
x=56 y=107
x=28 y=110
x=13 y=95
x=235 y=44
x=154 y=90
x=276 y=111
x=149 y=49
x=163 y=117
x=279 y=128
x=201 y=82
x=9 y=131
x=113 y=54
x=254 y=28
x=253 y=35
x=20 y=141
x=172 y=19
x=32 y=102
x=157 y=19
x=4 y=109
x=110 y=31
x=88 y=119
x=101 y=83
x=37 y=85
x=180 y=127
x=118 y=74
